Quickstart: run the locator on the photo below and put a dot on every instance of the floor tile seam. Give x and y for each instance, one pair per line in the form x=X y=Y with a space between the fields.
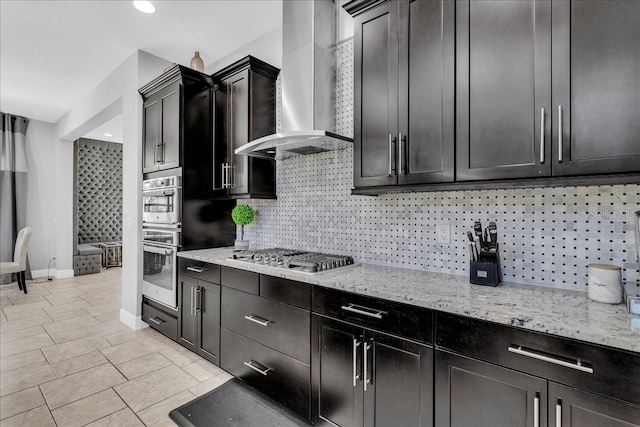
x=18 y=338
x=146 y=373
x=45 y=399
x=26 y=366
x=41 y=395
x=32 y=409
x=162 y=400
x=131 y=409
x=81 y=370
x=86 y=397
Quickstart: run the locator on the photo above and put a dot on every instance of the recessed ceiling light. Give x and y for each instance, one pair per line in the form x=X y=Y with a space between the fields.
x=108 y=134
x=144 y=6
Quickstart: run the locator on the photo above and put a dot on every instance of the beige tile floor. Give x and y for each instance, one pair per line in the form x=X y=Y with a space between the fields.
x=66 y=360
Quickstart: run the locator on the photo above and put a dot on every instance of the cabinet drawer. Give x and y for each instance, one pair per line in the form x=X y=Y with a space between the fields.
x=162 y=322
x=281 y=327
x=199 y=270
x=615 y=372
x=241 y=280
x=387 y=316
x=282 y=378
x=287 y=291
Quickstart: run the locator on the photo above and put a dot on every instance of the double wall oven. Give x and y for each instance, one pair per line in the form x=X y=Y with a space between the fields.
x=161 y=238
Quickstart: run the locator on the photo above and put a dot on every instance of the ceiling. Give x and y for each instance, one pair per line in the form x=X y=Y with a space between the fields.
x=113 y=127
x=52 y=53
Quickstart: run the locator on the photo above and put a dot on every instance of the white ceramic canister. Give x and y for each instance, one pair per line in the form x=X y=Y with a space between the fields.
x=605 y=283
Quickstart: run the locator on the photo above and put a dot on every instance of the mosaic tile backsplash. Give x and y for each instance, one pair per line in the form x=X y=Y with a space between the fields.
x=547 y=236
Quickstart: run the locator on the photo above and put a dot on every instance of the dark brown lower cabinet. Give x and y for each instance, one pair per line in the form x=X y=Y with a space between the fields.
x=471 y=393
x=570 y=407
x=199 y=317
x=365 y=378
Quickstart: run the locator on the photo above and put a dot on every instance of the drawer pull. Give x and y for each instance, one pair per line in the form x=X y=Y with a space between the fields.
x=536 y=411
x=156 y=321
x=365 y=351
x=364 y=311
x=259 y=320
x=559 y=413
x=573 y=365
x=263 y=371
x=195 y=269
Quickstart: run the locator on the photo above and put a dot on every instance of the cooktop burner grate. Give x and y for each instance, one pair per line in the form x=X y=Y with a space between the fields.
x=308 y=262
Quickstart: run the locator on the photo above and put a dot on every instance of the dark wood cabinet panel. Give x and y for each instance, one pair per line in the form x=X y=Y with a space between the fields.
x=152 y=112
x=275 y=374
x=400 y=392
x=284 y=290
x=503 y=83
x=187 y=321
x=596 y=75
x=242 y=280
x=208 y=315
x=570 y=407
x=473 y=393
x=361 y=377
x=244 y=102
x=376 y=96
x=199 y=270
x=337 y=373
x=279 y=326
x=426 y=92
x=159 y=319
x=170 y=142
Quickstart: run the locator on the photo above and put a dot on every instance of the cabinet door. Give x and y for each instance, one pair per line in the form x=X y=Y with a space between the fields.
x=151 y=140
x=171 y=121
x=470 y=393
x=503 y=81
x=208 y=309
x=376 y=96
x=569 y=407
x=220 y=146
x=337 y=373
x=400 y=382
x=237 y=88
x=187 y=318
x=596 y=77
x=426 y=92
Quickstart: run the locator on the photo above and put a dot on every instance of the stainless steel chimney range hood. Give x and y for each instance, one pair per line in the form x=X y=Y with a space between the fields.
x=308 y=85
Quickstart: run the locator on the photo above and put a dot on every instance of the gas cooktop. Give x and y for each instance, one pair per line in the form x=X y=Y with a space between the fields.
x=307 y=262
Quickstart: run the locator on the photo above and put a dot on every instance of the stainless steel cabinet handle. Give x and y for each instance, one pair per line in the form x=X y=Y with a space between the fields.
x=264 y=371
x=193 y=301
x=391 y=150
x=577 y=365
x=221 y=177
x=259 y=320
x=156 y=321
x=559 y=413
x=232 y=169
x=198 y=297
x=365 y=311
x=542 y=135
x=559 y=133
x=155 y=151
x=365 y=350
x=401 y=163
x=536 y=411
x=195 y=269
x=356 y=376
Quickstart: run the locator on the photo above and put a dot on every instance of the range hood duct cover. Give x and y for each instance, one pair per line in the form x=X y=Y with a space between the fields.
x=308 y=85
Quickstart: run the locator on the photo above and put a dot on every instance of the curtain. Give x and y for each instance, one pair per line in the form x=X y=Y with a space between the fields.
x=13 y=186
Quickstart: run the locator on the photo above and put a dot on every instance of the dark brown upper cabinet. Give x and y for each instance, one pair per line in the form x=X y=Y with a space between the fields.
x=176 y=119
x=503 y=89
x=596 y=86
x=244 y=96
x=404 y=92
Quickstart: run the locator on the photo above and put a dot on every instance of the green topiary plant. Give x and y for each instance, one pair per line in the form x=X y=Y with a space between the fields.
x=243 y=215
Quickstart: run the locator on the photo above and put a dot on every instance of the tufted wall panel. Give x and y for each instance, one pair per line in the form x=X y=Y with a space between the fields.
x=98 y=191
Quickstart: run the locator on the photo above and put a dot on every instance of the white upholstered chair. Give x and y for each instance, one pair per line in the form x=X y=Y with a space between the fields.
x=19 y=264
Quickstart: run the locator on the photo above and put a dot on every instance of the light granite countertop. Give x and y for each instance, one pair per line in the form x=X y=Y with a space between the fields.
x=565 y=313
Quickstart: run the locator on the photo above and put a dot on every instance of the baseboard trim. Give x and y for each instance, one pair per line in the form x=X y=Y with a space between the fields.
x=36 y=274
x=63 y=274
x=132 y=321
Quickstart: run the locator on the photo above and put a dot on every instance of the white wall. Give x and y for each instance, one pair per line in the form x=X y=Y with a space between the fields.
x=267 y=48
x=41 y=195
x=117 y=94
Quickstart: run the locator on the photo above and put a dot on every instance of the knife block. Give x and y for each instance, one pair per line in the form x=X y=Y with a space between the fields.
x=487 y=271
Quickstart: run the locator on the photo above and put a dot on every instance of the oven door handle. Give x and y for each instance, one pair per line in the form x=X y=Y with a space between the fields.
x=156 y=193
x=157 y=250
